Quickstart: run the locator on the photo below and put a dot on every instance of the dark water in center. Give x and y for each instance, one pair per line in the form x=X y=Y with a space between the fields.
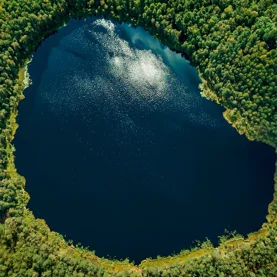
x=122 y=154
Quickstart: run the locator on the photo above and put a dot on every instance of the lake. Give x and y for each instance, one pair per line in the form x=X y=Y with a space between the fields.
x=122 y=154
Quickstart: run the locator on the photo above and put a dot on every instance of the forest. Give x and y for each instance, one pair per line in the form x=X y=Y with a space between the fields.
x=232 y=43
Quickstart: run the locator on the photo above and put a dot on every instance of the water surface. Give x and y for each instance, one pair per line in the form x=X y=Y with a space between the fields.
x=122 y=154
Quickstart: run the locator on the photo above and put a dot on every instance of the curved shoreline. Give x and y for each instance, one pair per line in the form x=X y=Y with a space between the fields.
x=233 y=243
x=67 y=251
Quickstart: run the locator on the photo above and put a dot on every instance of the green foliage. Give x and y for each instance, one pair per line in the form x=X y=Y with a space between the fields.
x=229 y=235
x=232 y=44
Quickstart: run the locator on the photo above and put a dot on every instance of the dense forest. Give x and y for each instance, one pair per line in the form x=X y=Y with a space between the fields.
x=232 y=43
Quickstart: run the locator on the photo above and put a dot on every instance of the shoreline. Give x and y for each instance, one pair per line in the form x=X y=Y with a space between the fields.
x=26 y=82
x=232 y=243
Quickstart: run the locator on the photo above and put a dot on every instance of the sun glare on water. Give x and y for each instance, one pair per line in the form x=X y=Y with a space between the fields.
x=115 y=78
x=141 y=69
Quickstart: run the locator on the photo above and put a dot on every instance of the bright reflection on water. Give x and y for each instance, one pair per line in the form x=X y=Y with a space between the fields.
x=129 y=76
x=121 y=153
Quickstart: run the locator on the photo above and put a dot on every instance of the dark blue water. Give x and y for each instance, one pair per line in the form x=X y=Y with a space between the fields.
x=122 y=154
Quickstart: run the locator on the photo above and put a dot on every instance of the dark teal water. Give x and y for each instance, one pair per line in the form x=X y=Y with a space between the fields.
x=122 y=154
